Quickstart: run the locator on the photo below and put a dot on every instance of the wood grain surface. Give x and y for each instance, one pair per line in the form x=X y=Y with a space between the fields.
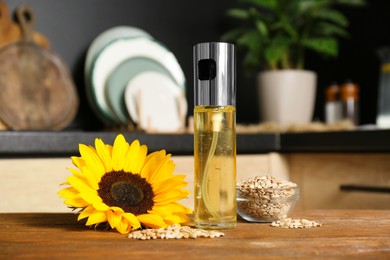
x=344 y=234
x=37 y=90
x=11 y=31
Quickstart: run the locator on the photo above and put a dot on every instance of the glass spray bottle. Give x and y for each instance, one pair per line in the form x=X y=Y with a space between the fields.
x=215 y=135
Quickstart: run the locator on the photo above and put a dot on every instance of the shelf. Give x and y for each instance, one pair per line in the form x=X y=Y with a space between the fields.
x=343 y=141
x=65 y=143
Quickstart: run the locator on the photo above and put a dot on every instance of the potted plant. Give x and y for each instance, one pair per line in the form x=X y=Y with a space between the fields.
x=276 y=35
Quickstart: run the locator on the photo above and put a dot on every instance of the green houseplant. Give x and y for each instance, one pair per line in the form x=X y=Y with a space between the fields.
x=275 y=35
x=279 y=32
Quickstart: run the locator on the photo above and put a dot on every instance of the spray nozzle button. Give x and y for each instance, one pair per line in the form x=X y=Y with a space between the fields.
x=207 y=69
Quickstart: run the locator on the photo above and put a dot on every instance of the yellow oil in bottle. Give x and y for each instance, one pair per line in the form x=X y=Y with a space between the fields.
x=215 y=167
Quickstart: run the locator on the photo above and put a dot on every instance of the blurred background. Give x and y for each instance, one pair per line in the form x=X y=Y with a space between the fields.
x=72 y=25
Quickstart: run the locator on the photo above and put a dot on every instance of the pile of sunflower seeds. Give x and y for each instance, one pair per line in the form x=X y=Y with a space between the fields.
x=295 y=223
x=265 y=197
x=174 y=232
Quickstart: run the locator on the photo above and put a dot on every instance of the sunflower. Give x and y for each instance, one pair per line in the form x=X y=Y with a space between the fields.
x=125 y=186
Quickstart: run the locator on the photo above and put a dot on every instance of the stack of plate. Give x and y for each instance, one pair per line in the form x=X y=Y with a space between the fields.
x=132 y=78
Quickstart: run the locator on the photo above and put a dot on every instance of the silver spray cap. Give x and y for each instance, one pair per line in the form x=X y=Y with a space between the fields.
x=214 y=74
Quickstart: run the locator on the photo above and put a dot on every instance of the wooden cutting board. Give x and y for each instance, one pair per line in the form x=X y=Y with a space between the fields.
x=36 y=89
x=11 y=31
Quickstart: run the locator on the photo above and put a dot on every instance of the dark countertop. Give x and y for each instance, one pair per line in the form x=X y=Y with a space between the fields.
x=64 y=143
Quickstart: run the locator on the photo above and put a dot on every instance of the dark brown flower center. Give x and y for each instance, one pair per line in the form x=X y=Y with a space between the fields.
x=126 y=190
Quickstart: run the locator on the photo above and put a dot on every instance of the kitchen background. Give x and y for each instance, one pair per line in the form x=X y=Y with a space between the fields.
x=72 y=25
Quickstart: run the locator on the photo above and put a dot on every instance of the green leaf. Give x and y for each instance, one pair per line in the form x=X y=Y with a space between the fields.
x=238 y=13
x=252 y=42
x=279 y=31
x=289 y=28
x=333 y=16
x=351 y=2
x=233 y=35
x=307 y=8
x=262 y=28
x=269 y=4
x=304 y=6
x=277 y=49
x=327 y=46
x=329 y=29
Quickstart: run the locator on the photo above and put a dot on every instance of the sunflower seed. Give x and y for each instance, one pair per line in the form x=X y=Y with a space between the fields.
x=295 y=223
x=173 y=232
x=266 y=197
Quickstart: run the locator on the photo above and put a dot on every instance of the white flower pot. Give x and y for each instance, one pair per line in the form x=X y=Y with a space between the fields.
x=287 y=96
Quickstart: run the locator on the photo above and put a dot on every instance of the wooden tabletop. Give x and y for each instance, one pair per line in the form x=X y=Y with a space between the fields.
x=344 y=234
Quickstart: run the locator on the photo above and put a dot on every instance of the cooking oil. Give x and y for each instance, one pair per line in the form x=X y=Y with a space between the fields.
x=215 y=166
x=214 y=135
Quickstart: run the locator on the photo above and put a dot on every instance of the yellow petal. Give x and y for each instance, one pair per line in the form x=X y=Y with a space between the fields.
x=117 y=209
x=91 y=178
x=178 y=208
x=76 y=173
x=152 y=221
x=162 y=171
x=96 y=218
x=79 y=175
x=86 y=212
x=172 y=219
x=161 y=211
x=92 y=160
x=131 y=157
x=118 y=152
x=168 y=209
x=183 y=217
x=172 y=196
x=76 y=202
x=104 y=154
x=78 y=162
x=123 y=227
x=86 y=176
x=68 y=192
x=175 y=182
x=173 y=207
x=114 y=217
x=135 y=157
x=143 y=151
x=152 y=163
x=109 y=149
x=100 y=206
x=134 y=222
x=80 y=185
x=90 y=198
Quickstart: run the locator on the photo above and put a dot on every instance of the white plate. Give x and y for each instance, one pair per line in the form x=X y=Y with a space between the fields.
x=118 y=51
x=105 y=38
x=117 y=82
x=155 y=102
x=96 y=46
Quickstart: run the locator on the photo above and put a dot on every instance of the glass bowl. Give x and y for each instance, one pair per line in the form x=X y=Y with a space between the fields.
x=266 y=205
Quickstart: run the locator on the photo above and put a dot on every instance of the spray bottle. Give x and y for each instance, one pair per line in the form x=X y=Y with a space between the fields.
x=215 y=135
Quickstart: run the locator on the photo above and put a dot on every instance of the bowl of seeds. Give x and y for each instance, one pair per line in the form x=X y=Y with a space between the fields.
x=266 y=198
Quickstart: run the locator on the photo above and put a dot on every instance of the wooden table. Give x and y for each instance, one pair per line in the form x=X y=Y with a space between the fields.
x=344 y=234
